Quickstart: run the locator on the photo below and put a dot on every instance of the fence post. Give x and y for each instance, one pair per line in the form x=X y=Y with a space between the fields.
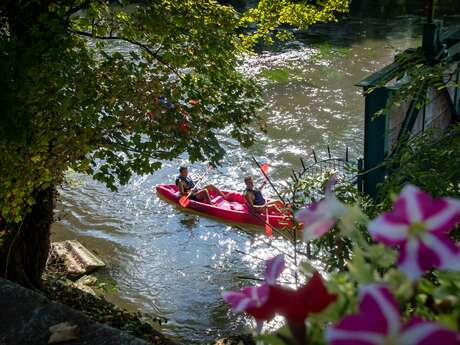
x=360 y=177
x=303 y=164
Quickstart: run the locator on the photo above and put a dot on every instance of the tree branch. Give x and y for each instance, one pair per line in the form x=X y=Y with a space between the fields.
x=120 y=142
x=138 y=44
x=80 y=7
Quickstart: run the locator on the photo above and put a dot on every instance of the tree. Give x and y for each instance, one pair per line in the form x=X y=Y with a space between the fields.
x=110 y=91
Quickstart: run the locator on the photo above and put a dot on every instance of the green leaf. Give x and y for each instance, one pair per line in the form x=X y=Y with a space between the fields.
x=360 y=270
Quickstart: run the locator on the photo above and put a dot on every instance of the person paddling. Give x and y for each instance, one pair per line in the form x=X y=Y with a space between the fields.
x=255 y=198
x=186 y=184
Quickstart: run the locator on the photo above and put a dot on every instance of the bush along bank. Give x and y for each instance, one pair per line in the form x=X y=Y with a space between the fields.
x=397 y=283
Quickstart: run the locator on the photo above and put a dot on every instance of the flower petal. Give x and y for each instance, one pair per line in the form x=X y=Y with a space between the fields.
x=267 y=310
x=238 y=301
x=427 y=258
x=376 y=300
x=414 y=200
x=316 y=220
x=408 y=261
x=319 y=218
x=338 y=336
x=247 y=298
x=304 y=214
x=377 y=319
x=274 y=268
x=447 y=252
x=443 y=215
x=332 y=207
x=318 y=229
x=388 y=230
x=296 y=305
x=258 y=294
x=419 y=332
x=314 y=296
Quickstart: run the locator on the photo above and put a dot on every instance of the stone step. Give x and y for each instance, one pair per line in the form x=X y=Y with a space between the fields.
x=78 y=259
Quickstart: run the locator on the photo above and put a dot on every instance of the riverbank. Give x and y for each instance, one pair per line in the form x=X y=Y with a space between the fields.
x=88 y=299
x=87 y=296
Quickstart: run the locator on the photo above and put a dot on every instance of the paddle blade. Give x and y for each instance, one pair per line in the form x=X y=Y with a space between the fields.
x=264 y=168
x=268 y=230
x=184 y=201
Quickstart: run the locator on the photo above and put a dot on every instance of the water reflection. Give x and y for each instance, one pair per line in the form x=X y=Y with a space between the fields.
x=177 y=264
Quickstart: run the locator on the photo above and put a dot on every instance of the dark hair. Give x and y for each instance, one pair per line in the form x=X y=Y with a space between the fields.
x=247 y=178
x=183 y=168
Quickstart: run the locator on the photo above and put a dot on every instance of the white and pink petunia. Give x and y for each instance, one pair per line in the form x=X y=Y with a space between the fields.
x=256 y=296
x=274 y=268
x=320 y=217
x=247 y=298
x=420 y=225
x=378 y=322
x=265 y=301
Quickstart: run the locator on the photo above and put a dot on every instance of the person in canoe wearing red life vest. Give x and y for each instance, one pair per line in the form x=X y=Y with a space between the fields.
x=254 y=196
x=186 y=185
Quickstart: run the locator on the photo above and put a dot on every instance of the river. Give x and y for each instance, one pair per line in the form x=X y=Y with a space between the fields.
x=166 y=262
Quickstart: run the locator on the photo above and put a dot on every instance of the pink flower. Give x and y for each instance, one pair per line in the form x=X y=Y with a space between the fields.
x=255 y=297
x=265 y=301
x=379 y=323
x=320 y=217
x=419 y=225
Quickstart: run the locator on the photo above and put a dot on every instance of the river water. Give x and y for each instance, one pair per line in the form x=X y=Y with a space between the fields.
x=169 y=263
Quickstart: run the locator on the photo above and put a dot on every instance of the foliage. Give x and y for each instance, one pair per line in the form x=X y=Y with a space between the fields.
x=74 y=103
x=430 y=160
x=373 y=267
x=416 y=71
x=308 y=189
x=269 y=16
x=112 y=90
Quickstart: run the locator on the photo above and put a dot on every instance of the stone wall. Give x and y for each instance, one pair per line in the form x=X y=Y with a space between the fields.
x=26 y=318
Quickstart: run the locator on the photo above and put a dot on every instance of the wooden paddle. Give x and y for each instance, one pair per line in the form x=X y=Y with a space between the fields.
x=267 y=227
x=267 y=178
x=184 y=200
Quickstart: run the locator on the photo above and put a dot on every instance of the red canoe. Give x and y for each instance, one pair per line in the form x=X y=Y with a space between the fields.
x=231 y=209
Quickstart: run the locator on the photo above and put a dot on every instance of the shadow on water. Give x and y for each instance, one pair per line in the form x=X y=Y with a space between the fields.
x=394 y=8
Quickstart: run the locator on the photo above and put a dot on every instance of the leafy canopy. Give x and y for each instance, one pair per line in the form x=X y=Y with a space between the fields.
x=112 y=90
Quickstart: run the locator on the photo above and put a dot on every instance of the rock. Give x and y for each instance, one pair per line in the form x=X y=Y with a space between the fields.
x=84 y=284
x=62 y=332
x=87 y=280
x=84 y=288
x=77 y=259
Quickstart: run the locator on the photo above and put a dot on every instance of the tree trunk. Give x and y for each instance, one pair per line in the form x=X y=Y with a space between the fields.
x=24 y=253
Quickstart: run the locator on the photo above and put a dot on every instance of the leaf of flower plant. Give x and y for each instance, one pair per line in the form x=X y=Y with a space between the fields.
x=306 y=268
x=381 y=256
x=398 y=282
x=359 y=269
